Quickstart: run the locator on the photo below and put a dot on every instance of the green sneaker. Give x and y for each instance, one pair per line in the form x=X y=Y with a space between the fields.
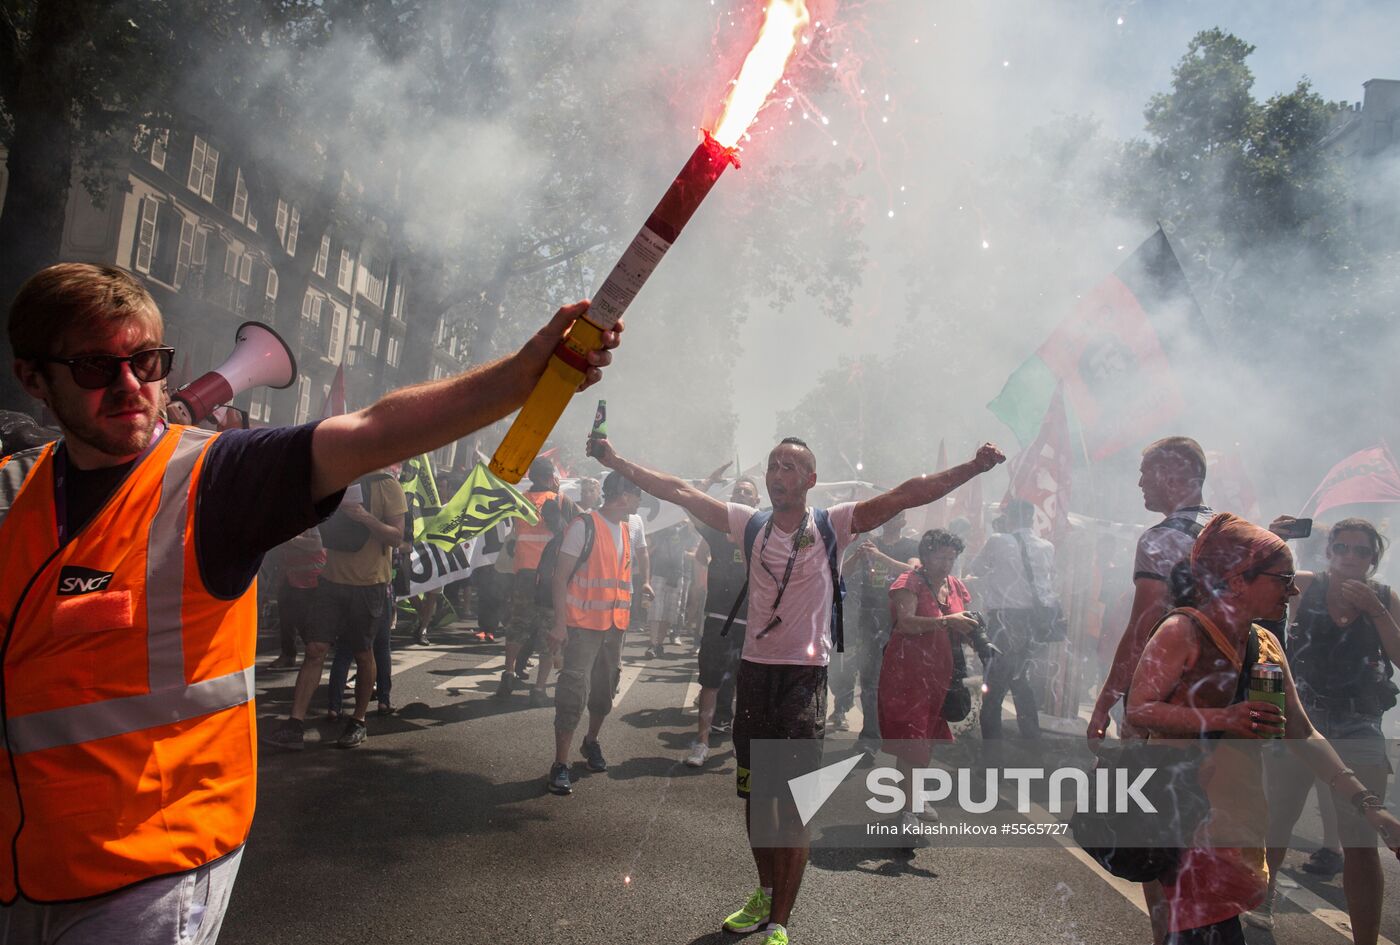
x=777 y=936
x=754 y=914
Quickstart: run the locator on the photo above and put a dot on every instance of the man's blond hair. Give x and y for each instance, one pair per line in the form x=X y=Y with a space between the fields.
x=76 y=298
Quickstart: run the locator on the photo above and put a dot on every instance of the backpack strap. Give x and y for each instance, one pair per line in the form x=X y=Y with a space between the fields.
x=751 y=529
x=838 y=585
x=589 y=535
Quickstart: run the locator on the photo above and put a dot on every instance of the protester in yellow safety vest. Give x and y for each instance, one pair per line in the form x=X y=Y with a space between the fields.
x=592 y=600
x=128 y=654
x=530 y=618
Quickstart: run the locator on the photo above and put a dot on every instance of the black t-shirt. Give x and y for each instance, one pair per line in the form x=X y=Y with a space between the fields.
x=878 y=575
x=254 y=494
x=667 y=555
x=726 y=574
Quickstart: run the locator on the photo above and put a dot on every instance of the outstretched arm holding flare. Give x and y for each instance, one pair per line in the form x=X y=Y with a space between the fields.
x=871 y=513
x=423 y=417
x=706 y=509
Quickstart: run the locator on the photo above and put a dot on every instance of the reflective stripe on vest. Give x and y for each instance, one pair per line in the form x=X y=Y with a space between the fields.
x=531 y=539
x=599 y=596
x=93 y=720
x=128 y=713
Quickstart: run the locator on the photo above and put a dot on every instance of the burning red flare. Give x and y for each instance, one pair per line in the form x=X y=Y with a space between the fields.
x=783 y=23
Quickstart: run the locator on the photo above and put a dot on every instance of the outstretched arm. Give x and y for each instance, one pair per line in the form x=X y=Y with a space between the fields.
x=423 y=417
x=1150 y=602
x=706 y=509
x=871 y=513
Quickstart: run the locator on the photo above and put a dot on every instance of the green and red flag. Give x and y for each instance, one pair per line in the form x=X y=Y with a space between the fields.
x=1113 y=355
x=1043 y=473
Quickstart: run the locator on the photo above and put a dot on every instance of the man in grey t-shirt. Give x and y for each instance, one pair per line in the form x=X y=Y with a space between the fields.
x=1173 y=473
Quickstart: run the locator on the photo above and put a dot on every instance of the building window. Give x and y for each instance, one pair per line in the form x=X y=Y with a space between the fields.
x=240 y=198
x=201 y=242
x=311 y=307
x=374 y=344
x=280 y=224
x=204 y=166
x=352 y=339
x=160 y=141
x=441 y=332
x=252 y=222
x=336 y=349
x=186 y=251
x=347 y=269
x=261 y=406
x=323 y=256
x=272 y=284
x=146 y=236
x=391 y=355
x=303 y=399
x=293 y=228
x=196 y=178
x=398 y=302
x=245 y=269
x=231 y=263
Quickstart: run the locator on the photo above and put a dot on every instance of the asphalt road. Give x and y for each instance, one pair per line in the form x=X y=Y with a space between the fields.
x=439 y=830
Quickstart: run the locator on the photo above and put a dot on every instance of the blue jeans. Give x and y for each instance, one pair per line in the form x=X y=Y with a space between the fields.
x=383 y=664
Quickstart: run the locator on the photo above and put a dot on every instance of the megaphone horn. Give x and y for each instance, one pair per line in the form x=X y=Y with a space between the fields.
x=260 y=358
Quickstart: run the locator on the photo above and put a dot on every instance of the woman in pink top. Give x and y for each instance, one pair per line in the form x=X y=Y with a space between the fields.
x=927 y=605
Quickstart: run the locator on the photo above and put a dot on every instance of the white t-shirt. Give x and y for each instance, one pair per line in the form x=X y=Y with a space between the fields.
x=1001 y=572
x=638 y=530
x=573 y=537
x=803 y=637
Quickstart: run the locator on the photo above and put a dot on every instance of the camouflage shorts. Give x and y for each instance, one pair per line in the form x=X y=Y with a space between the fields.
x=529 y=621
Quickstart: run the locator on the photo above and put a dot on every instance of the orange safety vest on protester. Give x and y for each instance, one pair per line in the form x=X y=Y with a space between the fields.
x=599 y=595
x=531 y=539
x=128 y=686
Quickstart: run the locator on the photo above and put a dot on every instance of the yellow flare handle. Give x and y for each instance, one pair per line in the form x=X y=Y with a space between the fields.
x=546 y=402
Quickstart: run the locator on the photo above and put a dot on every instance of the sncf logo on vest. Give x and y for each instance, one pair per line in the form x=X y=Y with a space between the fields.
x=74 y=580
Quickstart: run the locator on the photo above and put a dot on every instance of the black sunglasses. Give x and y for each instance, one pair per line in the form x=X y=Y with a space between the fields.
x=96 y=371
x=1340 y=548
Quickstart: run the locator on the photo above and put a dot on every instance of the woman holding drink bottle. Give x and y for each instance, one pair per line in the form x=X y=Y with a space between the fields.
x=1192 y=681
x=1342 y=641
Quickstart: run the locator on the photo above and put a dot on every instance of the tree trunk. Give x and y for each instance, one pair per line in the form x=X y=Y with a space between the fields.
x=40 y=162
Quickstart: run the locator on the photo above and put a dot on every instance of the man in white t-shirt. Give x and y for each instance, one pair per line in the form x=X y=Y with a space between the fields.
x=782 y=676
x=592 y=591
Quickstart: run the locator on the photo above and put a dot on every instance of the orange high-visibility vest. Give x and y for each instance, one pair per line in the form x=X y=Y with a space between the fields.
x=599 y=595
x=128 y=696
x=531 y=539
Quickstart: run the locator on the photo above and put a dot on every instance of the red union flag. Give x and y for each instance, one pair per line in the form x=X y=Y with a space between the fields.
x=1368 y=476
x=1114 y=371
x=1042 y=473
x=1229 y=485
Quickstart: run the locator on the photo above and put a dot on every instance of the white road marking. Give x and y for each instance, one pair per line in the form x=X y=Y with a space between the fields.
x=482 y=672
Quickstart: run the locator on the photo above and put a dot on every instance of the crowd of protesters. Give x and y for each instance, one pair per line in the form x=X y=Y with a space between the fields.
x=757 y=593
x=566 y=592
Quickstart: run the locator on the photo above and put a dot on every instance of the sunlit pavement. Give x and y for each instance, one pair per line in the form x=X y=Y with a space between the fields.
x=439 y=829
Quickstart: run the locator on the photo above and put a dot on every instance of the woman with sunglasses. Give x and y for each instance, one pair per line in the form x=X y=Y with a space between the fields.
x=1342 y=642
x=1191 y=683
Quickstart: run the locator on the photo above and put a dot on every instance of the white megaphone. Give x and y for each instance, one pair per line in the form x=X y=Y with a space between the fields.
x=260 y=358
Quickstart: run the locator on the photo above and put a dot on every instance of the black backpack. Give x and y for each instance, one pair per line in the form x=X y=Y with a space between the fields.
x=549 y=561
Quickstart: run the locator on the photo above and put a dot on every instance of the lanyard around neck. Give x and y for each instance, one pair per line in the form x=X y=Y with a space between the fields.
x=797 y=537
